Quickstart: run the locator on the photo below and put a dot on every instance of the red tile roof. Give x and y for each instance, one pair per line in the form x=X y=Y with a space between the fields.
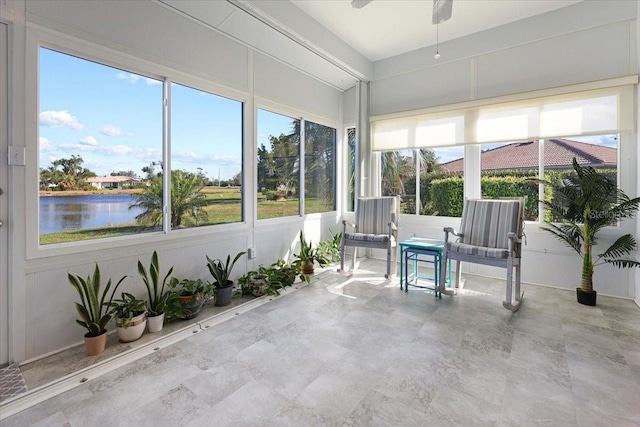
x=558 y=153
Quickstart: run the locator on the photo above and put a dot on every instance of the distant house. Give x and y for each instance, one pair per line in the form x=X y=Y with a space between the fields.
x=113 y=182
x=558 y=154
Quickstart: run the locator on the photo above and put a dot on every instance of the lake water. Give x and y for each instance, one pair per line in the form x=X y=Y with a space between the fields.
x=60 y=213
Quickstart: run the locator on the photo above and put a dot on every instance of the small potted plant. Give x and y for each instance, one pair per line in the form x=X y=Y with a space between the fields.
x=256 y=282
x=269 y=280
x=93 y=309
x=190 y=294
x=330 y=249
x=158 y=293
x=585 y=203
x=221 y=272
x=308 y=256
x=131 y=316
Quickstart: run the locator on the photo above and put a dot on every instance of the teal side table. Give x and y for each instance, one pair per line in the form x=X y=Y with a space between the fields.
x=415 y=251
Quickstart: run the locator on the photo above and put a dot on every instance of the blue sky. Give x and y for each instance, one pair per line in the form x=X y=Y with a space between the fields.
x=113 y=120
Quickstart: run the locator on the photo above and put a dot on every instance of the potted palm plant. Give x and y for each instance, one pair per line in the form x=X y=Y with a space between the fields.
x=221 y=271
x=308 y=256
x=585 y=203
x=131 y=316
x=159 y=294
x=93 y=309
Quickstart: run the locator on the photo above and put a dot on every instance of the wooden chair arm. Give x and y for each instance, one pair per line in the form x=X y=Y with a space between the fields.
x=448 y=230
x=346 y=222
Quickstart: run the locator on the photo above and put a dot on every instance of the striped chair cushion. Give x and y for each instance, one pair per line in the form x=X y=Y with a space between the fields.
x=480 y=251
x=361 y=237
x=487 y=223
x=374 y=213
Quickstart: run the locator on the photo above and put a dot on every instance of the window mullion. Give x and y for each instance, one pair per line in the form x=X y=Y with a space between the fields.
x=166 y=159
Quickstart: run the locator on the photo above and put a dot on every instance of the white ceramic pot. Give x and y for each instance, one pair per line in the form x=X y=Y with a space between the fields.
x=134 y=329
x=155 y=323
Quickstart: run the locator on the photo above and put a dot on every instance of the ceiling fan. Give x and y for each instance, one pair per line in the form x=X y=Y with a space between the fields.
x=441 y=9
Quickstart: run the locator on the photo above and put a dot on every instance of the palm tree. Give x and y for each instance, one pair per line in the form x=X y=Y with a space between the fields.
x=186 y=199
x=391 y=173
x=586 y=202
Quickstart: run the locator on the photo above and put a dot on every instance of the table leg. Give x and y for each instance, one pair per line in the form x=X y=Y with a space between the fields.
x=401 y=262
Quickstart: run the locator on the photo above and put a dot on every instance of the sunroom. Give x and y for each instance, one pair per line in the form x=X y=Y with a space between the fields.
x=280 y=114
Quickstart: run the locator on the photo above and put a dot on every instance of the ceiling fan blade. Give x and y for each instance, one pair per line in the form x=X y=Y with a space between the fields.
x=359 y=4
x=441 y=11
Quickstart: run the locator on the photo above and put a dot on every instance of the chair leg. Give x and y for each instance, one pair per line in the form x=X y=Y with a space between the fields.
x=353 y=261
x=507 y=302
x=519 y=295
x=342 y=257
x=443 y=277
x=395 y=260
x=443 y=273
x=458 y=274
x=388 y=274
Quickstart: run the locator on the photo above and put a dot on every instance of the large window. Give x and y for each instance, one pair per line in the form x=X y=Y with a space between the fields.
x=101 y=153
x=98 y=128
x=206 y=158
x=436 y=190
x=597 y=108
x=280 y=166
x=319 y=168
x=513 y=169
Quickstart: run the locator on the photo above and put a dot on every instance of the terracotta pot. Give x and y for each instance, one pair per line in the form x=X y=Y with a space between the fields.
x=307 y=267
x=155 y=323
x=95 y=345
x=134 y=329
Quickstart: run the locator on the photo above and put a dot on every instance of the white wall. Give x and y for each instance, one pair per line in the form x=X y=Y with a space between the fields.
x=151 y=38
x=585 y=42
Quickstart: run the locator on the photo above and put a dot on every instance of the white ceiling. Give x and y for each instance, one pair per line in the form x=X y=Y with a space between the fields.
x=386 y=28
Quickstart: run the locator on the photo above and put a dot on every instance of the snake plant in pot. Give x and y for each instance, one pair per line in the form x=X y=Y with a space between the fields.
x=221 y=271
x=93 y=308
x=584 y=203
x=159 y=293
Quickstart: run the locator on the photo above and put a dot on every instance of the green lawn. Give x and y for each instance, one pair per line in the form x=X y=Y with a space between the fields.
x=224 y=205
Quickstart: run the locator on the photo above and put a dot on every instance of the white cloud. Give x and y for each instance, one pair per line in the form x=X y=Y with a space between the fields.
x=107 y=150
x=115 y=149
x=111 y=130
x=131 y=78
x=89 y=140
x=134 y=78
x=44 y=144
x=60 y=119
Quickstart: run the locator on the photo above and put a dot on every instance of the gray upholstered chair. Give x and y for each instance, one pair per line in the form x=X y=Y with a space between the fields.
x=490 y=234
x=376 y=227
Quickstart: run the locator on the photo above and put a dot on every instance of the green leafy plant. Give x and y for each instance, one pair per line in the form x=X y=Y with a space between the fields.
x=221 y=270
x=586 y=202
x=126 y=308
x=269 y=280
x=93 y=306
x=195 y=291
x=308 y=255
x=158 y=292
x=330 y=249
x=190 y=287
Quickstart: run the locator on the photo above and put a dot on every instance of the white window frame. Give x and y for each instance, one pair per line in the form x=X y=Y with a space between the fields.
x=35 y=39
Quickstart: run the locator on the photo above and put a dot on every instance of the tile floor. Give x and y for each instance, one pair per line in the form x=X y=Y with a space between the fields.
x=358 y=351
